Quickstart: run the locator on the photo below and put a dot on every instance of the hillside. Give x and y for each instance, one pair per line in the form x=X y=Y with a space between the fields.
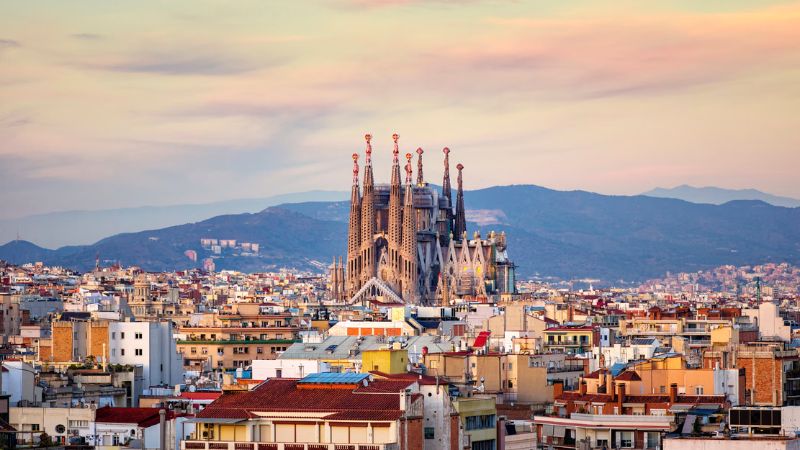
x=571 y=234
x=287 y=239
x=85 y=227
x=718 y=196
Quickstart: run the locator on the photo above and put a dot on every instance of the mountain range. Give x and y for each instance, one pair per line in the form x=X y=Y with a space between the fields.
x=566 y=234
x=718 y=196
x=85 y=227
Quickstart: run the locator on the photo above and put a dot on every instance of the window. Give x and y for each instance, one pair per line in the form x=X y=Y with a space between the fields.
x=510 y=384
x=193 y=350
x=259 y=350
x=79 y=424
x=34 y=427
x=510 y=366
x=429 y=433
x=122 y=352
x=113 y=352
x=698 y=390
x=278 y=373
x=625 y=439
x=484 y=445
x=113 y=335
x=204 y=350
x=122 y=335
x=480 y=422
x=652 y=439
x=137 y=336
x=138 y=352
x=115 y=440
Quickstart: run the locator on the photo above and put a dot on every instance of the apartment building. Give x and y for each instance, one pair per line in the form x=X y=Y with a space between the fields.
x=320 y=411
x=150 y=345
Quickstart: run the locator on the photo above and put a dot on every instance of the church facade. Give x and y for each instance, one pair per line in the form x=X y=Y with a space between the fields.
x=407 y=241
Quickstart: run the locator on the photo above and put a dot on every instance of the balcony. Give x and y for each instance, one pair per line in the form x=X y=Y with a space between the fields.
x=563 y=369
x=228 y=445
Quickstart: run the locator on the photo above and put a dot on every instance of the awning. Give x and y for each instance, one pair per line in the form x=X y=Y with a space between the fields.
x=680 y=408
x=213 y=420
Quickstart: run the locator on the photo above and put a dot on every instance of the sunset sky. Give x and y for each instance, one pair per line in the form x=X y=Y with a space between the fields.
x=126 y=103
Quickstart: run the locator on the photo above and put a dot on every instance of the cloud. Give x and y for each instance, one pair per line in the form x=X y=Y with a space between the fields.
x=88 y=36
x=14 y=121
x=183 y=62
x=579 y=58
x=9 y=43
x=374 y=4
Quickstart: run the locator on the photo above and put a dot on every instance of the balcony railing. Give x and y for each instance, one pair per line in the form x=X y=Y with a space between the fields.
x=228 y=445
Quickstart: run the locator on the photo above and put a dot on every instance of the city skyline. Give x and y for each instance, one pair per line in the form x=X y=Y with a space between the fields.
x=135 y=104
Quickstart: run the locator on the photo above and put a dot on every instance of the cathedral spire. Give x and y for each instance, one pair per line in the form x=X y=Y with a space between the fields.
x=368 y=217
x=420 y=178
x=447 y=193
x=409 y=247
x=446 y=190
x=395 y=216
x=354 y=233
x=461 y=221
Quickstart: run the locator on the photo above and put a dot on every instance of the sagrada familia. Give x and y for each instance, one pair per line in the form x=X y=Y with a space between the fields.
x=405 y=243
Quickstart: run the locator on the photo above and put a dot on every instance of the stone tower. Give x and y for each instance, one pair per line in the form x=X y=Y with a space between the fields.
x=354 y=235
x=409 y=247
x=395 y=221
x=447 y=193
x=461 y=220
x=368 y=262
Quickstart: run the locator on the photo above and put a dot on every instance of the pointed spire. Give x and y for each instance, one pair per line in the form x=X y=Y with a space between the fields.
x=420 y=178
x=354 y=234
x=408 y=168
x=368 y=138
x=461 y=221
x=368 y=259
x=409 y=247
x=446 y=190
x=355 y=169
x=395 y=218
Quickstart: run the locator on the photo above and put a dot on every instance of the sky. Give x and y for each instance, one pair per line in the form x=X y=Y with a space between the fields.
x=128 y=103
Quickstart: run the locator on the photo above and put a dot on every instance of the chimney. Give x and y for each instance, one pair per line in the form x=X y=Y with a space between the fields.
x=404 y=398
x=582 y=387
x=673 y=393
x=558 y=388
x=621 y=397
x=613 y=391
x=162 y=422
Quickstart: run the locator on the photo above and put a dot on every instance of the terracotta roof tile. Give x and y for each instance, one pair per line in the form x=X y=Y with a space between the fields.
x=282 y=395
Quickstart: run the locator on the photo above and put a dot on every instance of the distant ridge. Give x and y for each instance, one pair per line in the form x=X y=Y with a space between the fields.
x=717 y=196
x=569 y=235
x=61 y=228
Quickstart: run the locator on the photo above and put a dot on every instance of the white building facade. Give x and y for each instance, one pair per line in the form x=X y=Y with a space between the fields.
x=149 y=344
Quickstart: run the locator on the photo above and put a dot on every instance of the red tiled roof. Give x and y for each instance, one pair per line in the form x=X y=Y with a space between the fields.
x=577 y=396
x=628 y=375
x=380 y=398
x=200 y=395
x=596 y=373
x=143 y=417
